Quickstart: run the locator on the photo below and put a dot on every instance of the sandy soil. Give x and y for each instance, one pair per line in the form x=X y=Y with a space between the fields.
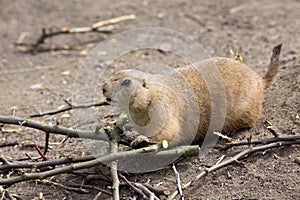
x=252 y=28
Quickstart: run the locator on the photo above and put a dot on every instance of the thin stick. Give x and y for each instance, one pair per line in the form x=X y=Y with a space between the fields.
x=46 y=142
x=263 y=141
x=52 y=128
x=114 y=167
x=113 y=21
x=69 y=188
x=137 y=190
x=50 y=32
x=244 y=154
x=102 y=27
x=157 y=191
x=40 y=152
x=178 y=181
x=97 y=196
x=146 y=191
x=69 y=107
x=269 y=126
x=60 y=161
x=116 y=182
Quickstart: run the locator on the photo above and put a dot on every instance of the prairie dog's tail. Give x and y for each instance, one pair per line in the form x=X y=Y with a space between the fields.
x=273 y=66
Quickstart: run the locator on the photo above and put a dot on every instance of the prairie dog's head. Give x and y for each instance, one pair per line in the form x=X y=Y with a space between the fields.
x=145 y=99
x=127 y=90
x=124 y=82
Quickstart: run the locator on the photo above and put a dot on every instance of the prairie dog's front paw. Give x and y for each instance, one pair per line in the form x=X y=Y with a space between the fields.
x=140 y=141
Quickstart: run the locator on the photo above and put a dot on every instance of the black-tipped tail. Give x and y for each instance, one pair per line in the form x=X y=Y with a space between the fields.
x=273 y=66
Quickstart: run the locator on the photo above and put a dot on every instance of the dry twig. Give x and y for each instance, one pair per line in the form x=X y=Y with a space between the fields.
x=158 y=191
x=40 y=152
x=242 y=155
x=137 y=190
x=77 y=166
x=105 y=26
x=49 y=163
x=146 y=191
x=178 y=181
x=114 y=166
x=69 y=107
x=69 y=188
x=52 y=128
x=263 y=141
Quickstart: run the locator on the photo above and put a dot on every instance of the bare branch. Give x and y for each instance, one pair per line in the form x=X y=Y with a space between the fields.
x=100 y=27
x=244 y=154
x=40 y=152
x=113 y=21
x=69 y=188
x=158 y=191
x=52 y=128
x=137 y=190
x=146 y=191
x=104 y=159
x=49 y=163
x=69 y=107
x=114 y=166
x=263 y=141
x=184 y=151
x=178 y=181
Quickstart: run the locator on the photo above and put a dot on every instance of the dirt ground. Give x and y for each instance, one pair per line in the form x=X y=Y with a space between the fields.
x=251 y=27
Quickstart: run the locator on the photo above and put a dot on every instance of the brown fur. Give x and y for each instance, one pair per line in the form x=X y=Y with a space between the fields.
x=152 y=103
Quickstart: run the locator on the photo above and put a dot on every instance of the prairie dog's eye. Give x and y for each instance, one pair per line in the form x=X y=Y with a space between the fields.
x=126 y=82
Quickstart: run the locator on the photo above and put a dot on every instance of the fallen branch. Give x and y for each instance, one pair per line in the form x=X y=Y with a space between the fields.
x=113 y=21
x=104 y=159
x=146 y=191
x=69 y=188
x=244 y=154
x=7 y=195
x=114 y=166
x=69 y=107
x=158 y=191
x=183 y=151
x=49 y=163
x=105 y=26
x=178 y=181
x=263 y=141
x=40 y=152
x=235 y=159
x=137 y=190
x=53 y=128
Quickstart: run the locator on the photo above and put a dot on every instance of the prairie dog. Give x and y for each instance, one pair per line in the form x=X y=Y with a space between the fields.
x=170 y=106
